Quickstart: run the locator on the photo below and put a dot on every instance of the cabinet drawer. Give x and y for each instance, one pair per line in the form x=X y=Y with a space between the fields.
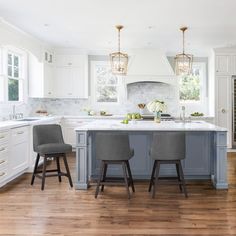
x=20 y=135
x=3 y=174
x=4 y=136
x=3 y=162
x=4 y=149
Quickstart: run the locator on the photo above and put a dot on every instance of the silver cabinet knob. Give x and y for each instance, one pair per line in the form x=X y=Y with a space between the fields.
x=223 y=110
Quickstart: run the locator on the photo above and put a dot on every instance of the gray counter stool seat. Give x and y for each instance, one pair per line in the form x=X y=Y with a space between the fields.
x=48 y=142
x=168 y=148
x=114 y=149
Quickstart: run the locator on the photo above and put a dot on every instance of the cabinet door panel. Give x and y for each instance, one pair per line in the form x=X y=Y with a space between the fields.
x=222 y=64
x=197 y=160
x=223 y=92
x=63 y=84
x=48 y=80
x=19 y=158
x=69 y=136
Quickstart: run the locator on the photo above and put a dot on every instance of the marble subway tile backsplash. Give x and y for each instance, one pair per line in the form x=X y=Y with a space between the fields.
x=136 y=93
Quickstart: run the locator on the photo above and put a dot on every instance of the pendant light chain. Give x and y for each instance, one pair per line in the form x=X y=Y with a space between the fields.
x=119 y=44
x=183 y=43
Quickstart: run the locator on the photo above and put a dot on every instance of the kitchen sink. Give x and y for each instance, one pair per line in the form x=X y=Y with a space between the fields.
x=187 y=121
x=28 y=119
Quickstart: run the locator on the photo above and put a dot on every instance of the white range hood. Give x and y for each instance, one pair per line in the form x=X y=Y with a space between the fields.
x=149 y=65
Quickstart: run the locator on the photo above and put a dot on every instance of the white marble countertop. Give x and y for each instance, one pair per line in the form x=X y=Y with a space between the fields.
x=9 y=124
x=115 y=118
x=94 y=117
x=106 y=125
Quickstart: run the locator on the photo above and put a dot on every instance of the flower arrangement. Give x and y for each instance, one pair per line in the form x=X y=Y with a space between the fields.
x=156 y=106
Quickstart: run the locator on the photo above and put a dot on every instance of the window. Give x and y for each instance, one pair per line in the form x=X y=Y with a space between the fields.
x=13 y=75
x=105 y=85
x=192 y=87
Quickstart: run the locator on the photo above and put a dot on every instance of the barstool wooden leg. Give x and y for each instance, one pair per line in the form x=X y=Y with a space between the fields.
x=99 y=178
x=67 y=170
x=35 y=168
x=179 y=179
x=152 y=176
x=125 y=178
x=58 y=168
x=156 y=179
x=130 y=176
x=104 y=176
x=182 y=179
x=44 y=172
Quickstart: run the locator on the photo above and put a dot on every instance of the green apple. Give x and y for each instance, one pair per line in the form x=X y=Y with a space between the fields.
x=129 y=116
x=133 y=116
x=138 y=116
x=126 y=121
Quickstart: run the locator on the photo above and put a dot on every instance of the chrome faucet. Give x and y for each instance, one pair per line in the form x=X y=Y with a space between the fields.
x=183 y=114
x=14 y=112
x=14 y=115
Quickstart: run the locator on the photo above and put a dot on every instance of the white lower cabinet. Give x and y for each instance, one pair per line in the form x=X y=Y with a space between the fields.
x=4 y=155
x=69 y=125
x=19 y=155
x=14 y=153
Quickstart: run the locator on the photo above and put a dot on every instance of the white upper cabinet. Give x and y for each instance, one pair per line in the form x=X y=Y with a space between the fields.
x=40 y=78
x=71 y=76
x=59 y=76
x=222 y=64
x=233 y=65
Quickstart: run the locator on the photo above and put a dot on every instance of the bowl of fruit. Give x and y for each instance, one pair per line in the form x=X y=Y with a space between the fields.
x=134 y=116
x=197 y=114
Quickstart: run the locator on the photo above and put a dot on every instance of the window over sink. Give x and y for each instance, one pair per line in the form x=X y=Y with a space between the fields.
x=13 y=75
x=193 y=89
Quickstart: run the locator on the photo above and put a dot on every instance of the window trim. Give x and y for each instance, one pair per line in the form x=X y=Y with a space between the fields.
x=93 y=86
x=23 y=74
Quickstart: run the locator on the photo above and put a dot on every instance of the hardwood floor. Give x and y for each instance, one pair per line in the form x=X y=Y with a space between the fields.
x=60 y=210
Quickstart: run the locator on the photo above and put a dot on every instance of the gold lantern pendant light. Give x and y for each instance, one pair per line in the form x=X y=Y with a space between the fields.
x=119 y=60
x=183 y=62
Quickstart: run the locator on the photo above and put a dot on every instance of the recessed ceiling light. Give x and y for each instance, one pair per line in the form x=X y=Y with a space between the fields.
x=150 y=27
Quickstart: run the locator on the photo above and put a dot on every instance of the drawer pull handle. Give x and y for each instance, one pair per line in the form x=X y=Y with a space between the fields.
x=1 y=137
x=2 y=161
x=2 y=174
x=2 y=149
x=20 y=132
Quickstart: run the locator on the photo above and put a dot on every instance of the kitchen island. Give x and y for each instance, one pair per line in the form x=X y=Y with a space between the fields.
x=206 y=150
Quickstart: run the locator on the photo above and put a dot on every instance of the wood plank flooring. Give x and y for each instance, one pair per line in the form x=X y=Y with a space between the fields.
x=62 y=211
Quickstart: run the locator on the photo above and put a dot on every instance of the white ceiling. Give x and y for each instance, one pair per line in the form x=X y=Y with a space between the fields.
x=90 y=24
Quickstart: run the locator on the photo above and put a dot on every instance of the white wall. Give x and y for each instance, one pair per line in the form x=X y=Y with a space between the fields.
x=12 y=36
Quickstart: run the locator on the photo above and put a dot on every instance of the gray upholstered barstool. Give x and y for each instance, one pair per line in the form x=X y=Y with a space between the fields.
x=48 y=142
x=113 y=149
x=168 y=148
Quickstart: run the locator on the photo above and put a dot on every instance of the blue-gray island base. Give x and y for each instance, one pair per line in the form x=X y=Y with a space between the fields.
x=206 y=150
